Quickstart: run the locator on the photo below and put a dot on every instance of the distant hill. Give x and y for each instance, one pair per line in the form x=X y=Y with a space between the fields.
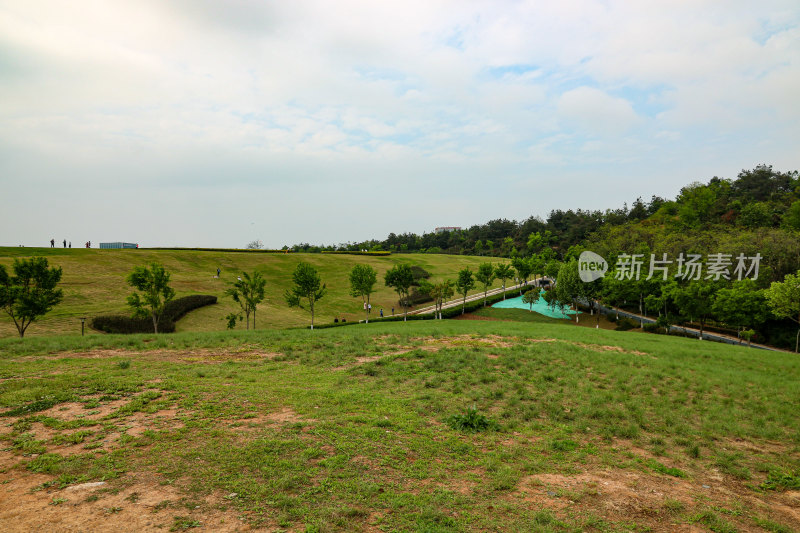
x=94 y=284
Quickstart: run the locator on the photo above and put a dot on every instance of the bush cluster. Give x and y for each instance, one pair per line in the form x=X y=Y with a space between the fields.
x=625 y=324
x=174 y=311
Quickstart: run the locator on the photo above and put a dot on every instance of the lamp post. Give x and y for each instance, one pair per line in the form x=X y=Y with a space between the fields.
x=83 y=319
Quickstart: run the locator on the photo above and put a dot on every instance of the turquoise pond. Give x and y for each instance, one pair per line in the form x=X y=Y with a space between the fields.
x=540 y=307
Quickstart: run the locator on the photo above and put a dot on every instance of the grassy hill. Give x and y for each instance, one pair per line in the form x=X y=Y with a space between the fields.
x=94 y=284
x=368 y=428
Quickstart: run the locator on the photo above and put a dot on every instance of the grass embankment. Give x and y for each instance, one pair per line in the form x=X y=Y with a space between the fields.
x=347 y=429
x=94 y=284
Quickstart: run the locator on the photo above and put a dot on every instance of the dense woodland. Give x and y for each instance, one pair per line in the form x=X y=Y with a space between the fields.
x=760 y=208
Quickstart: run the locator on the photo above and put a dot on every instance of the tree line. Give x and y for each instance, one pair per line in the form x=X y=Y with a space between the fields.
x=30 y=291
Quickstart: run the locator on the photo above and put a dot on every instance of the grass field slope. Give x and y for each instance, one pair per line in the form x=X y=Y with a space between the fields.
x=427 y=426
x=94 y=284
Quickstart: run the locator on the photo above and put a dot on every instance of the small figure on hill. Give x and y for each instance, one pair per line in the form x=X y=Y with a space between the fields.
x=392 y=310
x=218 y=272
x=336 y=320
x=65 y=243
x=70 y=244
x=381 y=312
x=344 y=319
x=369 y=308
x=52 y=243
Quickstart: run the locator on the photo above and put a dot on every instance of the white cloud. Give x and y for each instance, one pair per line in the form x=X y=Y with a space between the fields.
x=597 y=112
x=194 y=93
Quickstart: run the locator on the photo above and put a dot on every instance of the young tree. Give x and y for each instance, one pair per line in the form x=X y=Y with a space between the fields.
x=153 y=283
x=400 y=278
x=446 y=291
x=307 y=286
x=784 y=299
x=362 y=283
x=248 y=292
x=31 y=292
x=531 y=297
x=742 y=305
x=523 y=268
x=464 y=284
x=569 y=288
x=503 y=272
x=485 y=277
x=696 y=301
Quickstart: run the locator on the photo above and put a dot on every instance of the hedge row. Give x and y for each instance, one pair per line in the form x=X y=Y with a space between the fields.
x=174 y=311
x=356 y=252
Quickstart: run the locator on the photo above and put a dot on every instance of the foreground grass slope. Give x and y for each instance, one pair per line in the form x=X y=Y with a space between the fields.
x=94 y=284
x=347 y=429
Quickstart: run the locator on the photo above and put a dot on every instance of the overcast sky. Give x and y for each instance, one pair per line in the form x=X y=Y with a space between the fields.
x=213 y=123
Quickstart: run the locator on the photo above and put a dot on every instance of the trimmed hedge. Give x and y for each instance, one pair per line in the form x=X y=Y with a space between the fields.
x=174 y=311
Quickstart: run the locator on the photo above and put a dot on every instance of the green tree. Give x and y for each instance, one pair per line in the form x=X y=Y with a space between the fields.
x=617 y=292
x=696 y=301
x=31 y=292
x=478 y=247
x=538 y=241
x=503 y=272
x=570 y=287
x=400 y=278
x=524 y=269
x=784 y=299
x=485 y=277
x=248 y=292
x=531 y=297
x=791 y=218
x=755 y=215
x=742 y=305
x=464 y=284
x=362 y=283
x=308 y=286
x=153 y=284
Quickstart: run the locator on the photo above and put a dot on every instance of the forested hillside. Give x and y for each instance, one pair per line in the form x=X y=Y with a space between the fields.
x=759 y=208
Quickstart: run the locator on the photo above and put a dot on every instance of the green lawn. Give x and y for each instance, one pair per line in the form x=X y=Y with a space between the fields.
x=350 y=428
x=94 y=284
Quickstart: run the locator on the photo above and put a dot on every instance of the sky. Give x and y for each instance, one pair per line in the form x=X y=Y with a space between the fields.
x=215 y=123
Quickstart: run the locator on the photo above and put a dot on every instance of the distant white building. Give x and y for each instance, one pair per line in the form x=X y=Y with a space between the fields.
x=444 y=229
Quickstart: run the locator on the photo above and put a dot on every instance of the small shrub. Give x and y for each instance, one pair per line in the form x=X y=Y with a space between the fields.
x=625 y=324
x=124 y=365
x=779 y=481
x=472 y=421
x=652 y=328
x=664 y=469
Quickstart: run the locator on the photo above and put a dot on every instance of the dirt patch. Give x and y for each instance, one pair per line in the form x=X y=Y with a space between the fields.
x=653 y=500
x=244 y=428
x=77 y=410
x=469 y=340
x=606 y=348
x=137 y=423
x=208 y=356
x=364 y=360
x=137 y=502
